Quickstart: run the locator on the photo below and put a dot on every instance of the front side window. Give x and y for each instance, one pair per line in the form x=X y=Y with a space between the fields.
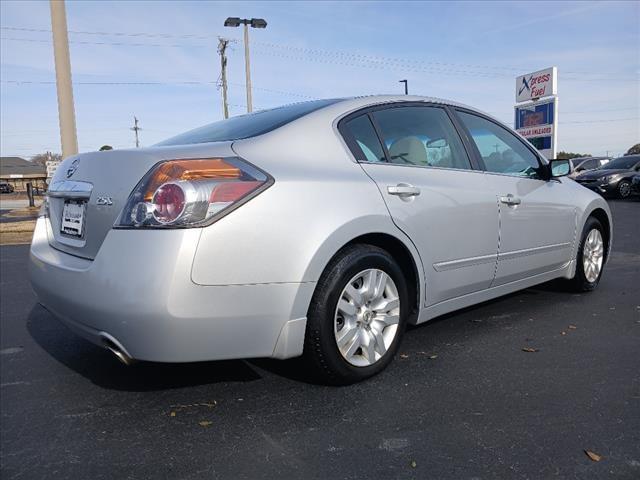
x=422 y=136
x=501 y=151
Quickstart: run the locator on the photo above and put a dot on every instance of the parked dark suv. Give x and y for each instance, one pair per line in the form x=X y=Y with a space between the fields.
x=613 y=178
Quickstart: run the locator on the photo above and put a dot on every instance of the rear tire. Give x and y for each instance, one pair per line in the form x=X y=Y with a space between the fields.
x=590 y=259
x=361 y=302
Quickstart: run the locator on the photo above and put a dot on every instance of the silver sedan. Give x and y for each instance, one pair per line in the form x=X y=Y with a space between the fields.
x=318 y=229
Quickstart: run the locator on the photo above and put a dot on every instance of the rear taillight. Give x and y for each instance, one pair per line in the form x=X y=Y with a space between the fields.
x=191 y=193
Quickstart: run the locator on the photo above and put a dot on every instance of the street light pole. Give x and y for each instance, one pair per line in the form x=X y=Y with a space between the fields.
x=246 y=22
x=247 y=68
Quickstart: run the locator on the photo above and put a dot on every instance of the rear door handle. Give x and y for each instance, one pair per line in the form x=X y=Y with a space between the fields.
x=403 y=190
x=510 y=200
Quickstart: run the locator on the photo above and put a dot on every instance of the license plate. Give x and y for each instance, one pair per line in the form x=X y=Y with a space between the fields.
x=72 y=218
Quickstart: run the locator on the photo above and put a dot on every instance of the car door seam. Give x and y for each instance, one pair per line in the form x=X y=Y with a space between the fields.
x=495 y=269
x=423 y=298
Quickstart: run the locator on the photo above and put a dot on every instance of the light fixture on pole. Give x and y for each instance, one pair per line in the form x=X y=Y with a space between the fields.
x=406 y=86
x=255 y=23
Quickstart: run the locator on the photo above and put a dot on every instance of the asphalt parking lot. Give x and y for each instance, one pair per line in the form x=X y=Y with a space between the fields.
x=462 y=400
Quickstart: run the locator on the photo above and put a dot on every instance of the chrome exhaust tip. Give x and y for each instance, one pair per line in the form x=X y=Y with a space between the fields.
x=119 y=352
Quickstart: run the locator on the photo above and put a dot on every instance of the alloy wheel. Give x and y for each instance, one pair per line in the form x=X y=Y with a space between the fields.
x=624 y=189
x=366 y=318
x=592 y=255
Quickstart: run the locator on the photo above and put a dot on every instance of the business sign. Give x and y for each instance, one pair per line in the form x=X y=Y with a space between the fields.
x=538 y=123
x=532 y=86
x=52 y=166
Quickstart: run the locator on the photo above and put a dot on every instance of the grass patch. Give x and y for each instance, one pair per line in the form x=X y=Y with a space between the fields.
x=23 y=212
x=16 y=233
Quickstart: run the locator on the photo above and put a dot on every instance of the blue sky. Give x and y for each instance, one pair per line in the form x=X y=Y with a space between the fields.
x=465 y=51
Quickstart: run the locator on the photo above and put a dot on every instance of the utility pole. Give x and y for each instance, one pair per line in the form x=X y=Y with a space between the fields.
x=136 y=129
x=222 y=48
x=406 y=86
x=66 y=113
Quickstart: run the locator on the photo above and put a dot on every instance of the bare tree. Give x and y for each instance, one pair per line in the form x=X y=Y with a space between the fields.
x=635 y=150
x=43 y=158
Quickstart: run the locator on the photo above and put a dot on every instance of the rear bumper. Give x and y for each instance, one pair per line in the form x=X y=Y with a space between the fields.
x=138 y=291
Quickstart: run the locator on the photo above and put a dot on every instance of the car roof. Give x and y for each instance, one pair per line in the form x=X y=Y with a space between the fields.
x=344 y=106
x=356 y=103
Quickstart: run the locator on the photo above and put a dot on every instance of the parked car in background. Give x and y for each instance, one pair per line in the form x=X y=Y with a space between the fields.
x=635 y=184
x=584 y=164
x=318 y=229
x=6 y=187
x=613 y=178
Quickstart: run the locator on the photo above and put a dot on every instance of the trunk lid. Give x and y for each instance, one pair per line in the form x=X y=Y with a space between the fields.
x=99 y=184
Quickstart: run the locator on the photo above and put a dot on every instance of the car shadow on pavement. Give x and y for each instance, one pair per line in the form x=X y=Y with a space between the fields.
x=100 y=367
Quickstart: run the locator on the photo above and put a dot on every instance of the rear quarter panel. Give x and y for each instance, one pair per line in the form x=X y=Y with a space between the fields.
x=320 y=201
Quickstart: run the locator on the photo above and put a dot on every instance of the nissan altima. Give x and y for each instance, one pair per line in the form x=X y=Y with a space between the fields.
x=319 y=229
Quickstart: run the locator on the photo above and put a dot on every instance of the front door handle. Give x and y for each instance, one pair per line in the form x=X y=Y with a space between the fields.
x=510 y=200
x=402 y=190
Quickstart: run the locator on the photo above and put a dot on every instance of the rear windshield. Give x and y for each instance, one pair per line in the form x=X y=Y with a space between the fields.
x=249 y=125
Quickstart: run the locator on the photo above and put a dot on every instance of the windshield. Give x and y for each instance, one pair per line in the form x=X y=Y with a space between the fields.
x=249 y=125
x=622 y=163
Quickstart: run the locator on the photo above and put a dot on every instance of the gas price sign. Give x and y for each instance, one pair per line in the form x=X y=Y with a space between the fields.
x=537 y=122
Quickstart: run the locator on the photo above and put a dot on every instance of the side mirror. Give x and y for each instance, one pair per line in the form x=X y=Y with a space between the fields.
x=559 y=168
x=579 y=169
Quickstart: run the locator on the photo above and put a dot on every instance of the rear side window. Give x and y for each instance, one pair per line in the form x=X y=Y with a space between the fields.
x=501 y=151
x=249 y=125
x=369 y=148
x=422 y=136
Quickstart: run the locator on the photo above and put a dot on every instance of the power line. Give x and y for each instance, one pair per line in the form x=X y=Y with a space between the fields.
x=347 y=56
x=115 y=34
x=344 y=61
x=602 y=121
x=50 y=82
x=417 y=68
x=145 y=83
x=312 y=51
x=291 y=94
x=120 y=44
x=279 y=92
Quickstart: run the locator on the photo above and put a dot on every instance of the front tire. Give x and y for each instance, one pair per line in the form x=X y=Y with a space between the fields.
x=357 y=316
x=624 y=189
x=590 y=259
